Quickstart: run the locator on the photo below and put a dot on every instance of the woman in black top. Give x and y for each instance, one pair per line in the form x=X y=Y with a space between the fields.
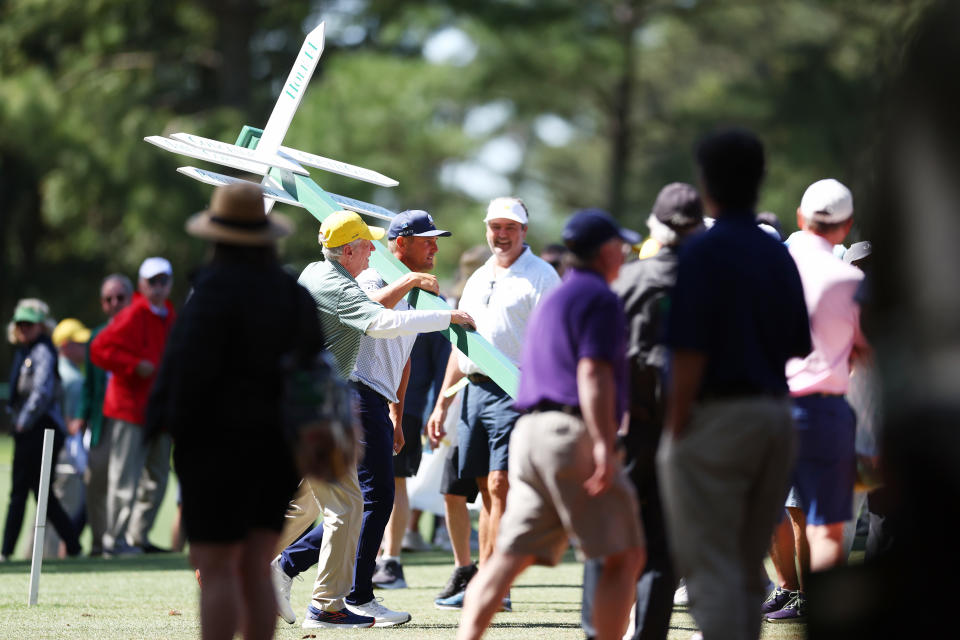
x=218 y=393
x=35 y=405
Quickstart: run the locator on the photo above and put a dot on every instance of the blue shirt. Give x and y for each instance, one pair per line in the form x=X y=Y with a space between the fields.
x=582 y=318
x=739 y=301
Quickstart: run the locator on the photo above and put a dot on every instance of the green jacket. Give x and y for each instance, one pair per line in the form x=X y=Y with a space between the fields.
x=91 y=400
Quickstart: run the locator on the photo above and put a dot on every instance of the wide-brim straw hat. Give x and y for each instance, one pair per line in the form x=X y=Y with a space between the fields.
x=236 y=216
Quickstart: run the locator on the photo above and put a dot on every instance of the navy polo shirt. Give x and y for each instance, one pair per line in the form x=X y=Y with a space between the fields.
x=428 y=363
x=739 y=300
x=582 y=318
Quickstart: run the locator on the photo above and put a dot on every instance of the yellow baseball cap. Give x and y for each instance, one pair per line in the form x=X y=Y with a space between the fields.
x=342 y=227
x=70 y=330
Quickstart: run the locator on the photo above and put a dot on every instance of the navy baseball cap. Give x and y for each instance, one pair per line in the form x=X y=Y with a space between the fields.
x=414 y=222
x=588 y=229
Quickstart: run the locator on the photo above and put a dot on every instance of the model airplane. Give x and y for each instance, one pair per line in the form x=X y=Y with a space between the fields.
x=285 y=180
x=270 y=159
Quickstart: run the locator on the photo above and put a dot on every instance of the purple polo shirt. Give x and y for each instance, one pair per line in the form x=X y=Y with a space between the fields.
x=582 y=318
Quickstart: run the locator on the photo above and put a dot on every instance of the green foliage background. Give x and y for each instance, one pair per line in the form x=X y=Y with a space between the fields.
x=635 y=82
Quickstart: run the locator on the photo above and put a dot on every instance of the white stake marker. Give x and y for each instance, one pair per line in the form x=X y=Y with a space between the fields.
x=41 y=527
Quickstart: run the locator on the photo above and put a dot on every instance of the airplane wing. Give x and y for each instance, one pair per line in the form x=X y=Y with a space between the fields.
x=243 y=153
x=335 y=166
x=274 y=192
x=184 y=149
x=220 y=180
x=362 y=207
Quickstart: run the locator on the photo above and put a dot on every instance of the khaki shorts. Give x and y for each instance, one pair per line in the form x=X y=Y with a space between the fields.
x=550 y=458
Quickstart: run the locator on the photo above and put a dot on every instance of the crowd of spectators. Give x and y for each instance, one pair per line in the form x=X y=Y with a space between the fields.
x=682 y=408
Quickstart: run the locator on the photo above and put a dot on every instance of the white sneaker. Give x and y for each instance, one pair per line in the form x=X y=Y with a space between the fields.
x=281 y=589
x=384 y=617
x=680 y=597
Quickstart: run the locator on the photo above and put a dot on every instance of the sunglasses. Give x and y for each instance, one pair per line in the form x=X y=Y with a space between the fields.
x=24 y=324
x=159 y=280
x=486 y=297
x=120 y=297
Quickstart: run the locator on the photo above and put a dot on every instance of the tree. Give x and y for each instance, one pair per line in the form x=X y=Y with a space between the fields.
x=598 y=103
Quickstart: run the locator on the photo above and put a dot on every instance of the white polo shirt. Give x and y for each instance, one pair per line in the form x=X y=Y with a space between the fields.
x=501 y=302
x=829 y=288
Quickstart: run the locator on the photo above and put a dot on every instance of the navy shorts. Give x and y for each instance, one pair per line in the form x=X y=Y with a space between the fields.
x=406 y=463
x=486 y=422
x=451 y=483
x=826 y=461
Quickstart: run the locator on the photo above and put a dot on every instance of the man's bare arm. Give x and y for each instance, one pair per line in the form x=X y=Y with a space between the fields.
x=596 y=389
x=391 y=294
x=396 y=409
x=453 y=375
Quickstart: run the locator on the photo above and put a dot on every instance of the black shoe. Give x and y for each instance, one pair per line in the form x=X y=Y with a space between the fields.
x=458 y=581
x=152 y=548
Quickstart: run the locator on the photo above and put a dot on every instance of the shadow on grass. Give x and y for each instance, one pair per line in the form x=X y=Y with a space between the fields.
x=425 y=558
x=546 y=586
x=502 y=625
x=446 y=557
x=159 y=562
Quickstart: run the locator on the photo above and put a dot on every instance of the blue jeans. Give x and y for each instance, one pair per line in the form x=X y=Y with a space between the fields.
x=375 y=473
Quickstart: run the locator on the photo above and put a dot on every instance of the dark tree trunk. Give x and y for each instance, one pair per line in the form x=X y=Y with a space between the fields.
x=626 y=17
x=236 y=21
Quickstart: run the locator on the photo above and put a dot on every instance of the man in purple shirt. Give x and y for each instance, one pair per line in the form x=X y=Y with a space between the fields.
x=564 y=478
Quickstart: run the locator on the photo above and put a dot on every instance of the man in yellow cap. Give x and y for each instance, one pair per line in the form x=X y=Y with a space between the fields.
x=70 y=337
x=346 y=314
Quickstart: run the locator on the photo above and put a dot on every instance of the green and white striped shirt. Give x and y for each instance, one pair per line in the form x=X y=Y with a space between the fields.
x=344 y=309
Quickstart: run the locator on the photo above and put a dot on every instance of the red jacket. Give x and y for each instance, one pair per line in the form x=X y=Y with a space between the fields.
x=134 y=334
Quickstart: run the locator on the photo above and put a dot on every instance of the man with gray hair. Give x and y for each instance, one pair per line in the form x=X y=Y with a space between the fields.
x=116 y=292
x=348 y=313
x=130 y=348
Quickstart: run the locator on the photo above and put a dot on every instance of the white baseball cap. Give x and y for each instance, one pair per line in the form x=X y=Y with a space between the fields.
x=827 y=201
x=509 y=208
x=155 y=266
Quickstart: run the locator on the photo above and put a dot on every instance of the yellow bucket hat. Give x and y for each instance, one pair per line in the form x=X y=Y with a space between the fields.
x=342 y=227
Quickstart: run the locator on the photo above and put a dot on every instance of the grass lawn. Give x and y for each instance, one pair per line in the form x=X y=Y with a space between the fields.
x=156 y=597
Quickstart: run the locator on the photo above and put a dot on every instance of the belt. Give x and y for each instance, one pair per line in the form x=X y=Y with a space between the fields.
x=478 y=378
x=549 y=405
x=359 y=386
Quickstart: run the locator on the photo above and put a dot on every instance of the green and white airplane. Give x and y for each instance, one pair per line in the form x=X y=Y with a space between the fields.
x=285 y=180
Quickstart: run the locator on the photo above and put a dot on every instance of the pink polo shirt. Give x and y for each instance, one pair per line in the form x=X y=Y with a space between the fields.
x=829 y=286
